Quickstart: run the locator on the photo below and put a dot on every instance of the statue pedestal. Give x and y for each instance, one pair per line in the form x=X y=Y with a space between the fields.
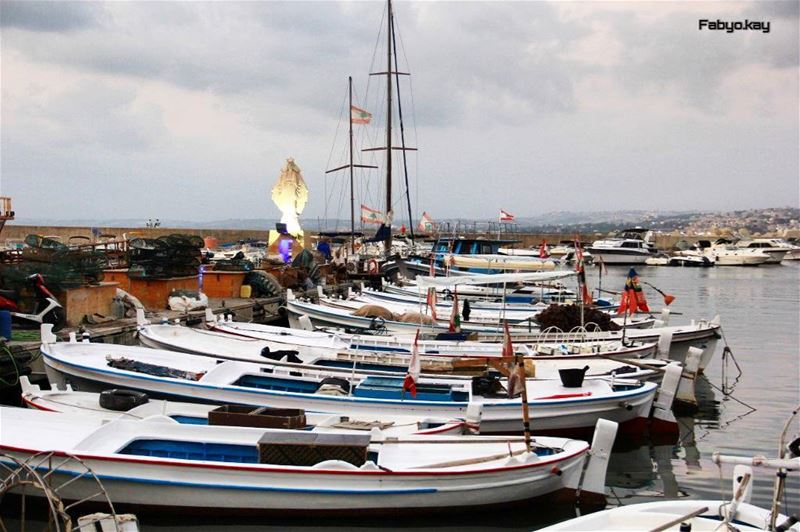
x=284 y=245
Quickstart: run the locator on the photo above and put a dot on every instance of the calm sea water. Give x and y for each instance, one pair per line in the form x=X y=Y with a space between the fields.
x=760 y=311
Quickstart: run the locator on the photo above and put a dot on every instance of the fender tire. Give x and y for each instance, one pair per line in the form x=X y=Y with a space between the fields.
x=121 y=400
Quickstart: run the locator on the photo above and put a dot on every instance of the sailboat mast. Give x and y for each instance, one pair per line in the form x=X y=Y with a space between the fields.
x=352 y=195
x=388 y=241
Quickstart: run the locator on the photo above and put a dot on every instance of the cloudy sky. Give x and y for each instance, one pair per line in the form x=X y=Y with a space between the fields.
x=188 y=110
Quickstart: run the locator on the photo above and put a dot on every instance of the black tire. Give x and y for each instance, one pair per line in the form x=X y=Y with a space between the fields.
x=121 y=400
x=264 y=284
x=344 y=384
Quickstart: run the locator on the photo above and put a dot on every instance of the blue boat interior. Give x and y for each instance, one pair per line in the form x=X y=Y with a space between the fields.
x=193 y=450
x=267 y=382
x=364 y=366
x=392 y=388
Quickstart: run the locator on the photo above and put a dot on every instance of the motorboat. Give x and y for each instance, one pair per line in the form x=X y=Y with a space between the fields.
x=776 y=248
x=631 y=246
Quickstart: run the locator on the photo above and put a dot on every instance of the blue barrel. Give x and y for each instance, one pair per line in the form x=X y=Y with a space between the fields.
x=5 y=324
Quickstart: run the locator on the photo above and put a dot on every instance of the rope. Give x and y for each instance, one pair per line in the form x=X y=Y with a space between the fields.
x=727 y=354
x=16 y=367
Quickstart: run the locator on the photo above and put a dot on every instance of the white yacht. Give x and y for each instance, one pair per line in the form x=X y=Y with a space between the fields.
x=776 y=248
x=723 y=253
x=631 y=246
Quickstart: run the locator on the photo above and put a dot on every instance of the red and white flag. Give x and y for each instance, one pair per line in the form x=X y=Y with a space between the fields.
x=432 y=269
x=543 y=251
x=372 y=216
x=431 y=302
x=455 y=317
x=515 y=384
x=505 y=216
x=425 y=223
x=359 y=116
x=410 y=382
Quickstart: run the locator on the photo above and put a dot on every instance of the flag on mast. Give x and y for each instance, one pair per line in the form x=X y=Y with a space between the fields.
x=633 y=298
x=431 y=302
x=372 y=216
x=506 y=216
x=410 y=382
x=543 y=251
x=514 y=382
x=425 y=223
x=579 y=267
x=359 y=116
x=455 y=318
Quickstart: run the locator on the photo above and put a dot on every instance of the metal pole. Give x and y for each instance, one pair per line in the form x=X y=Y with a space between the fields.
x=352 y=195
x=388 y=241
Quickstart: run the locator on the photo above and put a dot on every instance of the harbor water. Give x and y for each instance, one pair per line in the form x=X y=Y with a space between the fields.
x=740 y=414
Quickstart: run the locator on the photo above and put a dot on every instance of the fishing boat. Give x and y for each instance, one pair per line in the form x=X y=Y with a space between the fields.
x=600 y=360
x=235 y=470
x=733 y=514
x=554 y=407
x=111 y=405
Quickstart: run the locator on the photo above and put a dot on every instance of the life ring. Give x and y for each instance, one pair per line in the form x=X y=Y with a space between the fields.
x=372 y=267
x=121 y=400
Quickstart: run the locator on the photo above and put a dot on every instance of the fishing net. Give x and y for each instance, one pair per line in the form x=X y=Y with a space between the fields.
x=173 y=255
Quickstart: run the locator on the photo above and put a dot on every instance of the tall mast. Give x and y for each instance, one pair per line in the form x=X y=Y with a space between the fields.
x=352 y=195
x=388 y=241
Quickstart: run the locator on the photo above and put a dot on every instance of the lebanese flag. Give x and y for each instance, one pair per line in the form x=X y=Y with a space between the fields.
x=506 y=217
x=410 y=382
x=581 y=270
x=425 y=223
x=515 y=384
x=431 y=302
x=359 y=116
x=371 y=216
x=543 y=251
x=455 y=318
x=432 y=269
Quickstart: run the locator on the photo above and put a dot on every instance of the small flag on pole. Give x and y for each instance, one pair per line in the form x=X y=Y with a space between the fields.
x=410 y=382
x=359 y=116
x=371 y=216
x=505 y=216
x=431 y=302
x=579 y=267
x=425 y=223
x=455 y=317
x=515 y=384
x=543 y=251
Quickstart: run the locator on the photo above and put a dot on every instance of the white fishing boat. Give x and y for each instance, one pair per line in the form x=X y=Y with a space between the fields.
x=402 y=344
x=601 y=360
x=232 y=470
x=116 y=404
x=193 y=378
x=500 y=262
x=734 y=514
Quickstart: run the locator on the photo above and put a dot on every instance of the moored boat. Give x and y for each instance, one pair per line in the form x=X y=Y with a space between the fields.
x=232 y=470
x=554 y=407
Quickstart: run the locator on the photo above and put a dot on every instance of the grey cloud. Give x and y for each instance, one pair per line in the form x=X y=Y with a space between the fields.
x=49 y=16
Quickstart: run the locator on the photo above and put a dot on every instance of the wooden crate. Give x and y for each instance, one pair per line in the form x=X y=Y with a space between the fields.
x=311 y=448
x=263 y=417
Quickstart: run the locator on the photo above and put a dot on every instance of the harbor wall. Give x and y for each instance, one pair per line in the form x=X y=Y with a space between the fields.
x=526 y=239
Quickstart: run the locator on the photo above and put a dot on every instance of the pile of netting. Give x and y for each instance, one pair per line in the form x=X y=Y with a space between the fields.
x=61 y=266
x=166 y=256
